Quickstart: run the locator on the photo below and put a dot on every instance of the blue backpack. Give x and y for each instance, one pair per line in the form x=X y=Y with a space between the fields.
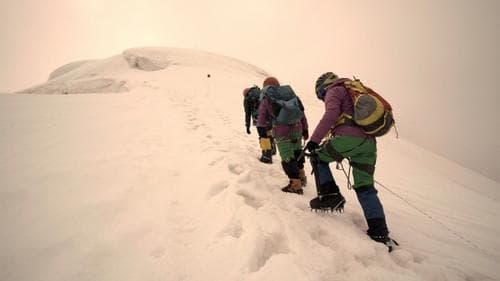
x=287 y=108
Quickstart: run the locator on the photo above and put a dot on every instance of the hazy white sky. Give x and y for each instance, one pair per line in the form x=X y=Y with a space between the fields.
x=437 y=61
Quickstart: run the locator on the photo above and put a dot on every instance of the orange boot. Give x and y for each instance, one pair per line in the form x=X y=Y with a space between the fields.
x=295 y=186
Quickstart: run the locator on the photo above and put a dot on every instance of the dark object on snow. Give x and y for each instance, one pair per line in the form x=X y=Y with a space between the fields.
x=208 y=75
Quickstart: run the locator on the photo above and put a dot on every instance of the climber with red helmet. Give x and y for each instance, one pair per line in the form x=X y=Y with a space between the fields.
x=284 y=110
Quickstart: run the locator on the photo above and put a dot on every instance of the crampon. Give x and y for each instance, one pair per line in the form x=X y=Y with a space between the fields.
x=387 y=241
x=328 y=203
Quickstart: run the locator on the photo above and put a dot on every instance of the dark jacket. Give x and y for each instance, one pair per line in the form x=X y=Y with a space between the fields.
x=251 y=103
x=251 y=106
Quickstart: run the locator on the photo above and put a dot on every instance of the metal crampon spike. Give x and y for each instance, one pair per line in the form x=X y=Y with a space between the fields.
x=328 y=210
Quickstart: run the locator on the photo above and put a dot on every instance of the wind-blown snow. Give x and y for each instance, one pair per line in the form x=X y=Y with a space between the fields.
x=163 y=183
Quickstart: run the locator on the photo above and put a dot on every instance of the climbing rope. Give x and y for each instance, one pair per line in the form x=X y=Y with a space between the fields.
x=455 y=233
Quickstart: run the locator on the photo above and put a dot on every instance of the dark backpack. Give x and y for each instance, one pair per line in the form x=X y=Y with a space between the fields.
x=371 y=112
x=254 y=98
x=287 y=108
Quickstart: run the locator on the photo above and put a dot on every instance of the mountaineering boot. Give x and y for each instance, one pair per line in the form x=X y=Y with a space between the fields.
x=377 y=230
x=265 y=146
x=295 y=186
x=266 y=157
x=303 y=178
x=328 y=202
x=387 y=241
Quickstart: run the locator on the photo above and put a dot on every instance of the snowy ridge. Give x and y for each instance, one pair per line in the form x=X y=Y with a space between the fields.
x=67 y=68
x=116 y=74
x=163 y=183
x=152 y=59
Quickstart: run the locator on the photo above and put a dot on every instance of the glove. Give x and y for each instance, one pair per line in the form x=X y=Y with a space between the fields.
x=248 y=130
x=311 y=146
x=305 y=134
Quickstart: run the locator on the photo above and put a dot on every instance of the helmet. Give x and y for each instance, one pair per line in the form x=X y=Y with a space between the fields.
x=322 y=83
x=270 y=81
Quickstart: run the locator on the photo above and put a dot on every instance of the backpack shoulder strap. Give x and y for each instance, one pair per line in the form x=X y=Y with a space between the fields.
x=354 y=89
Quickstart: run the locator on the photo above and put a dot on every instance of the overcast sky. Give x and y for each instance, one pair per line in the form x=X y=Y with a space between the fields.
x=436 y=61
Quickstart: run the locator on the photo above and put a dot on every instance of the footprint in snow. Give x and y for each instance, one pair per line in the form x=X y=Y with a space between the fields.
x=265 y=248
x=250 y=199
x=217 y=188
x=324 y=238
x=234 y=228
x=244 y=177
x=215 y=161
x=236 y=169
x=403 y=257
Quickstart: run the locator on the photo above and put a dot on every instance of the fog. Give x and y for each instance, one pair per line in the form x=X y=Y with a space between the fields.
x=436 y=61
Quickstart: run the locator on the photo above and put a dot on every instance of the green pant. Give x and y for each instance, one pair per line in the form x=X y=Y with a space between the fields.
x=289 y=151
x=288 y=148
x=361 y=152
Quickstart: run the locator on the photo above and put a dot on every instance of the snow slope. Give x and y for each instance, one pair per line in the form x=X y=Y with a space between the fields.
x=162 y=183
x=115 y=74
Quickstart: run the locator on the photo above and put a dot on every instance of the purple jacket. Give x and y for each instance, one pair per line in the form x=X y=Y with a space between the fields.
x=337 y=101
x=279 y=131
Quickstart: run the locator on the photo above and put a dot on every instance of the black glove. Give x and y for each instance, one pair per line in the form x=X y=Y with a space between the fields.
x=311 y=146
x=248 y=130
x=305 y=134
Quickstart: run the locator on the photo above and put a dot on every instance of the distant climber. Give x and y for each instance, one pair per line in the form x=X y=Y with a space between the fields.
x=251 y=102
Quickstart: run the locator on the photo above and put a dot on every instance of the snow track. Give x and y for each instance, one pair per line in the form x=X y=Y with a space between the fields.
x=163 y=183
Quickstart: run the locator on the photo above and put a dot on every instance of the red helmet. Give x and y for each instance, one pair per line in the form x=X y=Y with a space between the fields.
x=270 y=81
